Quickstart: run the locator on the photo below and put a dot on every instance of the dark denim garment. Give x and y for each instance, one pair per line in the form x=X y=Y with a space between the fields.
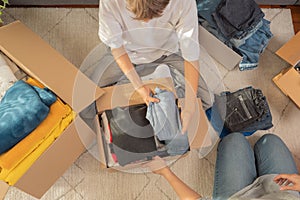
x=22 y=109
x=252 y=47
x=165 y=120
x=250 y=41
x=218 y=124
x=245 y=110
x=235 y=18
x=205 y=10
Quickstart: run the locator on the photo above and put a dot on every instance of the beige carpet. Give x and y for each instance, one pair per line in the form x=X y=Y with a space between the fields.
x=73 y=32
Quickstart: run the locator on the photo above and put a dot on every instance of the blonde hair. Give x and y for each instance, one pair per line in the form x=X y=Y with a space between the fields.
x=147 y=9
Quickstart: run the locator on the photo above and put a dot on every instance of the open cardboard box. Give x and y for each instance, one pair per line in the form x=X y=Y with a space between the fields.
x=125 y=95
x=218 y=50
x=42 y=62
x=288 y=80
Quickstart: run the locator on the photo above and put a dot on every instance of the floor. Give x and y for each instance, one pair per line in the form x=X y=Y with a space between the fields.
x=295 y=14
x=73 y=32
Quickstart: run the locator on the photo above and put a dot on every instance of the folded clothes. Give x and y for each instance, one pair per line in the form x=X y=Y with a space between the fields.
x=15 y=162
x=239 y=24
x=250 y=48
x=132 y=135
x=164 y=115
x=245 y=110
x=165 y=120
x=22 y=109
x=247 y=15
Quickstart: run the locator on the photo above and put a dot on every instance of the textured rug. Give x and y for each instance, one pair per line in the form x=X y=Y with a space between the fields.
x=73 y=32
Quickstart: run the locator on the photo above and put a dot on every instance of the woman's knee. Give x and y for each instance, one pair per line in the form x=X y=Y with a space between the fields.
x=269 y=140
x=234 y=137
x=236 y=140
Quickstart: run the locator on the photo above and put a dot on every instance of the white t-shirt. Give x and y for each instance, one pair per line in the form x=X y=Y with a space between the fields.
x=145 y=42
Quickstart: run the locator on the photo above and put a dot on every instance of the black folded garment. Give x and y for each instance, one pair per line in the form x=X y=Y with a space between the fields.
x=132 y=134
x=245 y=110
x=234 y=17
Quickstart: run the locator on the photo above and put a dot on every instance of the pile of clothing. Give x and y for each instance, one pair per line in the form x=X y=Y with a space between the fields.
x=245 y=110
x=137 y=132
x=240 y=24
x=31 y=118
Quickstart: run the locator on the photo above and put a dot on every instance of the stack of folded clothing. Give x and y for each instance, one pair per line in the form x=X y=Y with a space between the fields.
x=129 y=137
x=240 y=24
x=245 y=111
x=165 y=119
x=22 y=109
x=17 y=160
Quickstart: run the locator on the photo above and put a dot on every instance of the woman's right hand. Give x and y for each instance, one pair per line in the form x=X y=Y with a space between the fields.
x=145 y=93
x=288 y=181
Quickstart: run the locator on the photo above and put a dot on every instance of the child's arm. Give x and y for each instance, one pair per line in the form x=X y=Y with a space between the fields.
x=126 y=66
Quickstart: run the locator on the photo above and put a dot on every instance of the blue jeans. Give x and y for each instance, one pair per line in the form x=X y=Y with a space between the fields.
x=253 y=46
x=237 y=165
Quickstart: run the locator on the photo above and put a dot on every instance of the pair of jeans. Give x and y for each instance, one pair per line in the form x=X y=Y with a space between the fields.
x=245 y=110
x=218 y=124
x=253 y=46
x=205 y=10
x=165 y=120
x=237 y=165
x=247 y=15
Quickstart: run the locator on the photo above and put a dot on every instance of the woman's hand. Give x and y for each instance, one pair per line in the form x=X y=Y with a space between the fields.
x=145 y=93
x=284 y=180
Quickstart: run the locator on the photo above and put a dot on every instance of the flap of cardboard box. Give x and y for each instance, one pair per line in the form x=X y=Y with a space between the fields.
x=218 y=50
x=289 y=82
x=39 y=60
x=3 y=189
x=290 y=52
x=198 y=127
x=56 y=159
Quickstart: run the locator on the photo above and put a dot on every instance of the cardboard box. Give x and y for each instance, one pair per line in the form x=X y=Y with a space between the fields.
x=289 y=83
x=40 y=61
x=218 y=50
x=125 y=95
x=288 y=80
x=290 y=51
